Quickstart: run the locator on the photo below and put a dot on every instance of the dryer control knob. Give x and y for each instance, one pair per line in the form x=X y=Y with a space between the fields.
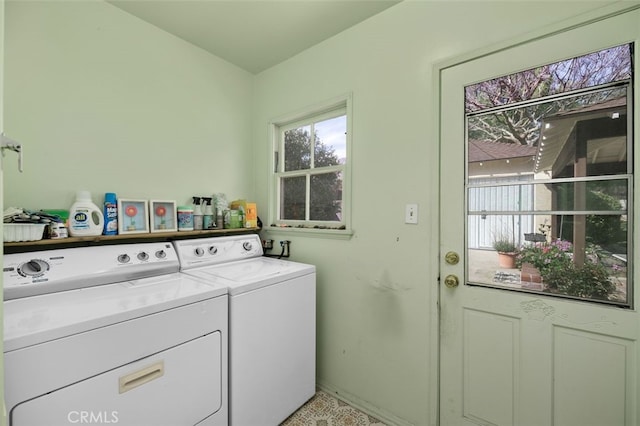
x=213 y=250
x=33 y=268
x=124 y=258
x=161 y=254
x=247 y=246
x=199 y=252
x=143 y=255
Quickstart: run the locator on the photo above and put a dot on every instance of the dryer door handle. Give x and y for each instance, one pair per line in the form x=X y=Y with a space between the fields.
x=141 y=377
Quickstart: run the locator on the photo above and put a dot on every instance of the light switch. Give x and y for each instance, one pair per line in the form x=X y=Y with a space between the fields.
x=411 y=214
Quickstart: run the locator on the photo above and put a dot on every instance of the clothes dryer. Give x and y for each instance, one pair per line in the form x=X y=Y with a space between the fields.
x=272 y=328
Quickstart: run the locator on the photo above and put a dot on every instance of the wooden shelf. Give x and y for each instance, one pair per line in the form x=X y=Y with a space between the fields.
x=48 y=244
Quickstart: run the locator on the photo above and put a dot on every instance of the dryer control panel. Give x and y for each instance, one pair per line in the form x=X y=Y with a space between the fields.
x=217 y=250
x=30 y=274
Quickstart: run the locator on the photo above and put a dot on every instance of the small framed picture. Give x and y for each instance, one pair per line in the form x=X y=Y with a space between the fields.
x=133 y=216
x=163 y=215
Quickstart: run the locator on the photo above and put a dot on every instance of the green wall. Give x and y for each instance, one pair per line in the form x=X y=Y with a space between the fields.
x=106 y=102
x=377 y=291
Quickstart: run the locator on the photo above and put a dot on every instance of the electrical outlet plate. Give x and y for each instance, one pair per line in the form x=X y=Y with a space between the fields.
x=411 y=214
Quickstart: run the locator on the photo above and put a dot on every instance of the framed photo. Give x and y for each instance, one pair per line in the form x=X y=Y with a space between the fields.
x=133 y=216
x=163 y=215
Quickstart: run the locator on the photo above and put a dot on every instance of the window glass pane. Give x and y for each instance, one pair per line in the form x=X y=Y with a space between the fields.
x=582 y=135
x=331 y=142
x=292 y=195
x=297 y=148
x=587 y=136
x=601 y=196
x=605 y=66
x=558 y=257
x=326 y=197
x=549 y=179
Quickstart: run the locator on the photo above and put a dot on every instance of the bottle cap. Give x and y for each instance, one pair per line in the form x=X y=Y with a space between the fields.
x=83 y=196
x=110 y=197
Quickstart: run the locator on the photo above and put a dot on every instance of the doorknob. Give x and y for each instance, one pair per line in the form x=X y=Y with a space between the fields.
x=452 y=258
x=451 y=281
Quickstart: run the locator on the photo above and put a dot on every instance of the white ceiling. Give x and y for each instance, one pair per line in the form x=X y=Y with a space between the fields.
x=254 y=34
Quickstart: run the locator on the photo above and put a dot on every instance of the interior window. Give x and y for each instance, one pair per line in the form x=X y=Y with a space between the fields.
x=549 y=179
x=310 y=172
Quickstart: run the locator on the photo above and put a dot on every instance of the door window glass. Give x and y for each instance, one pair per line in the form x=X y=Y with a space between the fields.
x=549 y=179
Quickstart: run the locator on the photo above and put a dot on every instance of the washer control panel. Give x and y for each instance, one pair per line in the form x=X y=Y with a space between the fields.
x=33 y=268
x=216 y=250
x=28 y=274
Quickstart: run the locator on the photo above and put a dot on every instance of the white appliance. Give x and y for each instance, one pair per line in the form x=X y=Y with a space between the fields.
x=113 y=334
x=272 y=313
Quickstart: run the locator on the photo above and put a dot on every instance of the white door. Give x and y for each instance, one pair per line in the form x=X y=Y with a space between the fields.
x=512 y=357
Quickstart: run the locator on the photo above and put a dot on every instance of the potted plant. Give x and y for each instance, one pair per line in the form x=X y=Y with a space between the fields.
x=507 y=251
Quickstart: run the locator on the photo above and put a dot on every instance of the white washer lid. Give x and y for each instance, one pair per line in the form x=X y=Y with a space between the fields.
x=250 y=274
x=38 y=319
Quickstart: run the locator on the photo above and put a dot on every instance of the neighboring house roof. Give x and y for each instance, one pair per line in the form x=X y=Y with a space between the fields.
x=487 y=150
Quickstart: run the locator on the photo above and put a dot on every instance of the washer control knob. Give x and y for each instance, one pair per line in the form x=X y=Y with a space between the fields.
x=213 y=250
x=161 y=254
x=247 y=246
x=33 y=268
x=143 y=255
x=199 y=252
x=124 y=258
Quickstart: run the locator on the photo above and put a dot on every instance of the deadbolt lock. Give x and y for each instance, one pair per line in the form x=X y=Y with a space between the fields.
x=451 y=281
x=452 y=258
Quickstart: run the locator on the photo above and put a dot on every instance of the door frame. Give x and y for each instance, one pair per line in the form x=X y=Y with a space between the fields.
x=438 y=68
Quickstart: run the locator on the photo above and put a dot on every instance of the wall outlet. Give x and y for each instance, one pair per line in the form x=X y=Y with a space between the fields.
x=411 y=214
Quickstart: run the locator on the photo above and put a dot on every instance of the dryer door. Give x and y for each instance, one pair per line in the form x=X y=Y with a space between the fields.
x=178 y=386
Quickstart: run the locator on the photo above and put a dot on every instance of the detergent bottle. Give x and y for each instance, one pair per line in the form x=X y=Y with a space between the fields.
x=85 y=218
x=110 y=214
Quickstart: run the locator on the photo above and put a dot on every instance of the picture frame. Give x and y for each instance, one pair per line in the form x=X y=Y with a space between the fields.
x=133 y=216
x=163 y=215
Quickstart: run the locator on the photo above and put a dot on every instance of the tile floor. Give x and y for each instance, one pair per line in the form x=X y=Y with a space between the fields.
x=325 y=410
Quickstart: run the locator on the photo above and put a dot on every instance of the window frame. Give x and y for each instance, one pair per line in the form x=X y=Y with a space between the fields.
x=341 y=105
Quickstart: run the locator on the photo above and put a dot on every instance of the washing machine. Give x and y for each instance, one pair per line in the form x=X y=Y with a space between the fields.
x=113 y=335
x=272 y=333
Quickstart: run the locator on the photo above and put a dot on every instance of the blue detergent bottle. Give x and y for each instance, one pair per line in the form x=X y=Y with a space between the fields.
x=110 y=214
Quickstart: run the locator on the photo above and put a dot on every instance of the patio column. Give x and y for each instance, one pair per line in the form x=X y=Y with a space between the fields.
x=580 y=194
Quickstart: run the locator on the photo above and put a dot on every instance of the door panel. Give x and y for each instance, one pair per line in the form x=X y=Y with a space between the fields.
x=574 y=355
x=490 y=357
x=178 y=386
x=510 y=358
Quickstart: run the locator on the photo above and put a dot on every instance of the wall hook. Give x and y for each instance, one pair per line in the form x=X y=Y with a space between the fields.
x=11 y=145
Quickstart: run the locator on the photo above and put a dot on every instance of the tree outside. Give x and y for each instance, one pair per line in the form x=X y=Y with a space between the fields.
x=326 y=188
x=522 y=125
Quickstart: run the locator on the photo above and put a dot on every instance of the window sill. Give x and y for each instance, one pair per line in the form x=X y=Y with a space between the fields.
x=338 y=234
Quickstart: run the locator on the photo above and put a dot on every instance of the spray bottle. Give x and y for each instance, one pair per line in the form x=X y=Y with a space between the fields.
x=207 y=222
x=197 y=214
